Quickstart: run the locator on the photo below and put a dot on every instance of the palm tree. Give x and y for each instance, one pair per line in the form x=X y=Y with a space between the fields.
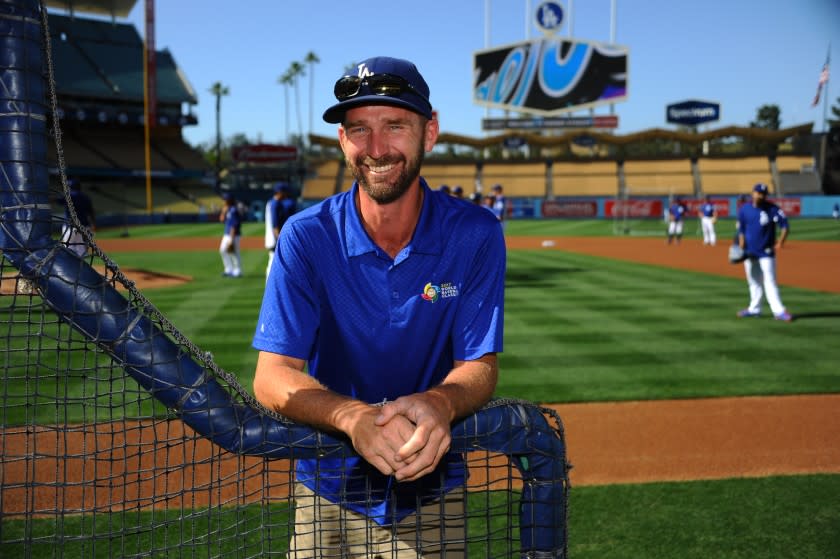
x=296 y=69
x=311 y=59
x=219 y=91
x=286 y=80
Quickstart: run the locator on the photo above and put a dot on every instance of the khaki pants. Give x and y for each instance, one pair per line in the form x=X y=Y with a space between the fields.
x=324 y=529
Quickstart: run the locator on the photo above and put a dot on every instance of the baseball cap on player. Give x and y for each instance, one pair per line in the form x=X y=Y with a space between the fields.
x=761 y=188
x=281 y=187
x=381 y=80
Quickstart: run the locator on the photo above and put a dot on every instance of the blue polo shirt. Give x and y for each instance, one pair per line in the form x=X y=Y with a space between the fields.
x=758 y=225
x=707 y=209
x=376 y=328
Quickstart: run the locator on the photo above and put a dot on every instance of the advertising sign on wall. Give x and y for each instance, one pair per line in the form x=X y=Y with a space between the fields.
x=692 y=113
x=550 y=75
x=791 y=206
x=570 y=208
x=634 y=208
x=721 y=206
x=264 y=153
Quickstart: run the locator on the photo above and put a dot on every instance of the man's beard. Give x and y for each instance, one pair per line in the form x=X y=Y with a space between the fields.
x=386 y=192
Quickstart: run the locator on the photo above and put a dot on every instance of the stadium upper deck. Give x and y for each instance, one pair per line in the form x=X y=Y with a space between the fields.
x=99 y=81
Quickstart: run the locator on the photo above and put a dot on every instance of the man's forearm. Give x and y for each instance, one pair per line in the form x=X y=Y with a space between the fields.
x=282 y=385
x=468 y=386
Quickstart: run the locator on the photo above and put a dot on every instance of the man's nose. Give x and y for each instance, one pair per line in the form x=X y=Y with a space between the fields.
x=377 y=144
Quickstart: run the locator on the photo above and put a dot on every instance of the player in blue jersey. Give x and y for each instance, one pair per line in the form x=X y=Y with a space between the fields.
x=499 y=205
x=757 y=224
x=676 y=218
x=278 y=209
x=229 y=246
x=390 y=292
x=83 y=206
x=708 y=217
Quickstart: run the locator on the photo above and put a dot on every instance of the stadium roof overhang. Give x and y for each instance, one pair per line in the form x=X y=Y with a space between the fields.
x=113 y=8
x=761 y=134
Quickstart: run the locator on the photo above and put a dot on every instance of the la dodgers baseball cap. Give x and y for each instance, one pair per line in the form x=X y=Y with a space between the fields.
x=381 y=80
x=761 y=188
x=281 y=187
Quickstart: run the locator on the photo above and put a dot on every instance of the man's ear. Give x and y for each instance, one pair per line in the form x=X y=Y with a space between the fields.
x=432 y=132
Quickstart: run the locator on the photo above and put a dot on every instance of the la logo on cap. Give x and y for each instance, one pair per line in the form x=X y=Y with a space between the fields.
x=364 y=71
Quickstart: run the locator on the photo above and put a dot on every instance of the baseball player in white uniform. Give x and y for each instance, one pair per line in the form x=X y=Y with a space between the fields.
x=757 y=223
x=708 y=217
x=229 y=247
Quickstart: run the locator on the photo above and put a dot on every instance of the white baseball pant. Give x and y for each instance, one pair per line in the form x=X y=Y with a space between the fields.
x=761 y=278
x=707 y=225
x=675 y=228
x=231 y=258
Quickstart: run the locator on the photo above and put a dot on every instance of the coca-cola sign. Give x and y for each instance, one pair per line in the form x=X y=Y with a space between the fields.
x=634 y=208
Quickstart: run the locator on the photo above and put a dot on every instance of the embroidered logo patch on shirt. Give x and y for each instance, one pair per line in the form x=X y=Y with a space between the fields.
x=432 y=292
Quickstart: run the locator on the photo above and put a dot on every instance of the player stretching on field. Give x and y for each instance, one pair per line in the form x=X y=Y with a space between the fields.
x=676 y=214
x=757 y=224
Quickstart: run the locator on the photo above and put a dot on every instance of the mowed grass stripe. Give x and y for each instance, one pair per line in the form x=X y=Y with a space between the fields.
x=578 y=324
x=217 y=314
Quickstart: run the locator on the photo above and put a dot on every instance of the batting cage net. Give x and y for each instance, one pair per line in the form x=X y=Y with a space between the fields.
x=120 y=438
x=641 y=211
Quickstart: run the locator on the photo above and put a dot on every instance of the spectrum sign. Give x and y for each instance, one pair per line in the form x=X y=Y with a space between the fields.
x=692 y=113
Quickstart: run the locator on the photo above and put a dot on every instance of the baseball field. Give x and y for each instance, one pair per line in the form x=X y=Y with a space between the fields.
x=691 y=433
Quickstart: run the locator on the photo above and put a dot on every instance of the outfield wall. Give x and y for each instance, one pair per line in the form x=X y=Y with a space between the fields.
x=653 y=207
x=593 y=207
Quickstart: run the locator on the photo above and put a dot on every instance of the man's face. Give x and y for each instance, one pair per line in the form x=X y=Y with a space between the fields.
x=758 y=197
x=384 y=147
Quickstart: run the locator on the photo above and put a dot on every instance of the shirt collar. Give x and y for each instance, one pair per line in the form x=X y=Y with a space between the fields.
x=426 y=238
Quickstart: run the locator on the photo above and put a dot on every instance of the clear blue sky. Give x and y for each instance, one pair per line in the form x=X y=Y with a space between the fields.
x=740 y=53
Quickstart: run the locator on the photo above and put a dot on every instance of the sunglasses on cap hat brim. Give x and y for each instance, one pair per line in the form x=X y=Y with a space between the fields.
x=386 y=85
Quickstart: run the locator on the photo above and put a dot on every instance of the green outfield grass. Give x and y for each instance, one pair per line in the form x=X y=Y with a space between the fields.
x=581 y=328
x=811 y=229
x=577 y=328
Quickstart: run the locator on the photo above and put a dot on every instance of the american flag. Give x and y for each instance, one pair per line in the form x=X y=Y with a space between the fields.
x=821 y=83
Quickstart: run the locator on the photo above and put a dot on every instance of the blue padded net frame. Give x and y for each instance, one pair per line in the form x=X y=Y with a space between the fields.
x=148 y=348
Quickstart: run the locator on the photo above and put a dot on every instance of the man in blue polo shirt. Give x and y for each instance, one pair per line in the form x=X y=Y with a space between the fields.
x=757 y=223
x=391 y=292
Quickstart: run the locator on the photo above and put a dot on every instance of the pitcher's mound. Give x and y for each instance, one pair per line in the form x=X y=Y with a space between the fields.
x=143 y=279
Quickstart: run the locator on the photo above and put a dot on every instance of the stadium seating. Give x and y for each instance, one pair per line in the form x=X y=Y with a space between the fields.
x=590 y=178
x=733 y=175
x=518 y=179
x=457 y=174
x=99 y=86
x=673 y=177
